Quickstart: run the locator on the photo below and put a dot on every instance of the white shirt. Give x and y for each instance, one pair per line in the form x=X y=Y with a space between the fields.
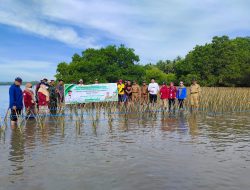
x=153 y=88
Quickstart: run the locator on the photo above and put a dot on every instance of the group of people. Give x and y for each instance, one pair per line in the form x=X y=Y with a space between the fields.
x=46 y=99
x=49 y=97
x=132 y=92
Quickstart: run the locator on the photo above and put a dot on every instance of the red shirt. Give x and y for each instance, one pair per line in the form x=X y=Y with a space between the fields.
x=42 y=99
x=27 y=99
x=172 y=92
x=164 y=92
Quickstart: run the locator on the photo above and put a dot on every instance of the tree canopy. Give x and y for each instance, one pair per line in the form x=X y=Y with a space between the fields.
x=223 y=62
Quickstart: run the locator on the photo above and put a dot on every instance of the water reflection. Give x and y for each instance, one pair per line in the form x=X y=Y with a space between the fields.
x=145 y=148
x=17 y=151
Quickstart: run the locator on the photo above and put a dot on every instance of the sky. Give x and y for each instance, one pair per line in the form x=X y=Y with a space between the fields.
x=36 y=35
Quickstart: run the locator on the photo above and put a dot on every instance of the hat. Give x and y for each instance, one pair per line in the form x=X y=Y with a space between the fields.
x=80 y=80
x=18 y=79
x=144 y=81
x=45 y=79
x=164 y=83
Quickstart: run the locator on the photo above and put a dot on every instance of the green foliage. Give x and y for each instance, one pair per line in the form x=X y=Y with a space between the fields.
x=105 y=64
x=223 y=62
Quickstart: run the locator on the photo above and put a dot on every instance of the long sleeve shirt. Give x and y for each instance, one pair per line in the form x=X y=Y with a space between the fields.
x=153 y=88
x=15 y=97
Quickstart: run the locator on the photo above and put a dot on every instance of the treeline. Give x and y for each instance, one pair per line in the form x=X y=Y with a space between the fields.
x=223 y=62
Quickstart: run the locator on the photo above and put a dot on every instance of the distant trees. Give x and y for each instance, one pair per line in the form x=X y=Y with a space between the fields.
x=223 y=62
x=106 y=64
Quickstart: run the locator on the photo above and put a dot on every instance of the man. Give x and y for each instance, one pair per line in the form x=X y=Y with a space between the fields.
x=195 y=91
x=121 y=92
x=96 y=81
x=80 y=82
x=144 y=93
x=136 y=91
x=53 y=97
x=153 y=89
x=69 y=97
x=15 y=100
x=60 y=92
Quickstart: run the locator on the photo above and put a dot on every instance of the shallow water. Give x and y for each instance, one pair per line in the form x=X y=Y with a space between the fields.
x=176 y=151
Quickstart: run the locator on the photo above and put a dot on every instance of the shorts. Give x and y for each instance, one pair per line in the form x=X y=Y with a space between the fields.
x=121 y=98
x=14 y=114
x=153 y=98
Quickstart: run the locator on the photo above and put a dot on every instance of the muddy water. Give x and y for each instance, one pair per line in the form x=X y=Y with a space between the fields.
x=171 y=151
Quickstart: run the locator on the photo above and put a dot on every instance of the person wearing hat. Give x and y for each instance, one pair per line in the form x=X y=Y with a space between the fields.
x=195 y=91
x=15 y=100
x=164 y=92
x=53 y=97
x=80 y=82
x=144 y=93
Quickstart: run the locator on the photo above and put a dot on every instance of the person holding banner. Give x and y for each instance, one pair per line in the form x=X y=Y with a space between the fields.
x=121 y=92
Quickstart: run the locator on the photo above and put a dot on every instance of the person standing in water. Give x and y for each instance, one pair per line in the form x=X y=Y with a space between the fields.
x=29 y=100
x=15 y=101
x=172 y=96
x=121 y=92
x=164 y=91
x=53 y=98
x=136 y=91
x=181 y=95
x=128 y=91
x=195 y=91
x=60 y=92
x=153 y=89
x=144 y=93
x=43 y=99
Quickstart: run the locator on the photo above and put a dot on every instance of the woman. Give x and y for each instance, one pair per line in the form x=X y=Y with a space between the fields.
x=164 y=92
x=29 y=100
x=181 y=94
x=43 y=99
x=172 y=95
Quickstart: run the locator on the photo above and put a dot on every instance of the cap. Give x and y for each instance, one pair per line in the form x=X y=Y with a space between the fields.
x=80 y=80
x=18 y=79
x=144 y=81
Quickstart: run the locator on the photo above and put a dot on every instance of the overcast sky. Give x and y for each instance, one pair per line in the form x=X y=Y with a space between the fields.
x=36 y=35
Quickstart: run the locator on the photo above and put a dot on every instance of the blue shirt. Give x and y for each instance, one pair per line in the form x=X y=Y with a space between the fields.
x=181 y=93
x=16 y=97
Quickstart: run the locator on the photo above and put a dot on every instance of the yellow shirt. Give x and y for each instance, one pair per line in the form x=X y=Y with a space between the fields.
x=121 y=89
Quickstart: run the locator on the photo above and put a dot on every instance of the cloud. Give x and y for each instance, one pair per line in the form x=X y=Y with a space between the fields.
x=22 y=16
x=155 y=29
